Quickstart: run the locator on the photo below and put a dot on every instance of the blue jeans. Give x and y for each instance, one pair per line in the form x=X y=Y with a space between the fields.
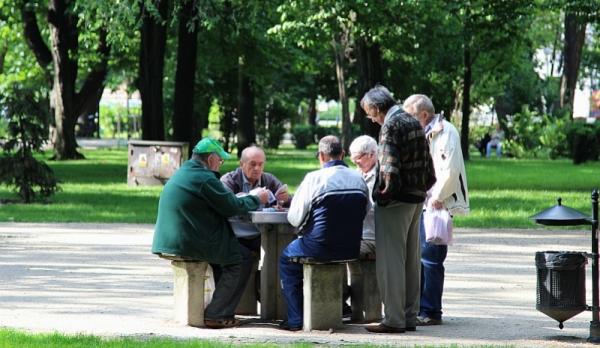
x=432 y=276
x=292 y=277
x=230 y=283
x=488 y=149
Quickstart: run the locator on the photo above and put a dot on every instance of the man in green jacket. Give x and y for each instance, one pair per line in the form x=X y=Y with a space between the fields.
x=192 y=223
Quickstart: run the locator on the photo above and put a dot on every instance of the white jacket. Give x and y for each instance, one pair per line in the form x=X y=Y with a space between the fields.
x=451 y=184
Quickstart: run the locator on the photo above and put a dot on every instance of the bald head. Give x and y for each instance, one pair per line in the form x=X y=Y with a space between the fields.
x=252 y=163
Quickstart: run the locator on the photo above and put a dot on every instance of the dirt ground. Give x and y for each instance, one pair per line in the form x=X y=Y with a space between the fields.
x=101 y=279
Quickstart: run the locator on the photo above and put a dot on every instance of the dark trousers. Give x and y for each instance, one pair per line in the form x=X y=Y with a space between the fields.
x=292 y=276
x=432 y=276
x=230 y=283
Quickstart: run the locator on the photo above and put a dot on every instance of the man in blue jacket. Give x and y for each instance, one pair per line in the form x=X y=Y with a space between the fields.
x=328 y=208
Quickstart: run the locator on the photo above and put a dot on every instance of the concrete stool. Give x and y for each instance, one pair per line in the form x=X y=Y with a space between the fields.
x=365 y=298
x=249 y=302
x=188 y=289
x=323 y=282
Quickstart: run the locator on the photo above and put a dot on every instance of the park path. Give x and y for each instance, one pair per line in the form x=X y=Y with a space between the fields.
x=101 y=279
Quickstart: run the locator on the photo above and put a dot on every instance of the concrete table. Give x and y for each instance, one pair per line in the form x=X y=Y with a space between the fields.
x=275 y=234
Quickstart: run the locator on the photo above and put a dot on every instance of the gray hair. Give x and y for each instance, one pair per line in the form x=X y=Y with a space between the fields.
x=331 y=146
x=420 y=102
x=363 y=144
x=379 y=97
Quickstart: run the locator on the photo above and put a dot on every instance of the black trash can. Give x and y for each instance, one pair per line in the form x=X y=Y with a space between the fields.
x=560 y=284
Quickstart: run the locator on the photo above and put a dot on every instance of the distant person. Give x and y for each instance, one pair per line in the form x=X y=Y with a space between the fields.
x=192 y=222
x=405 y=174
x=249 y=176
x=363 y=153
x=328 y=208
x=449 y=192
x=482 y=143
x=496 y=141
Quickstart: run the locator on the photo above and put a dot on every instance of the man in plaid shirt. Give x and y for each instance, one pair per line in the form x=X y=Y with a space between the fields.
x=405 y=174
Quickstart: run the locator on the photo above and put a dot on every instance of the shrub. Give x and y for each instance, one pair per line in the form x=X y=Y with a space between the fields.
x=28 y=129
x=303 y=135
x=321 y=131
x=584 y=142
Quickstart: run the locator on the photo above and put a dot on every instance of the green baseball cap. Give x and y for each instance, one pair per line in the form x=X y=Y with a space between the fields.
x=209 y=145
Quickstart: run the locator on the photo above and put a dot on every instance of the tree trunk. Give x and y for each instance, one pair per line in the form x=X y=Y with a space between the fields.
x=466 y=101
x=183 y=108
x=340 y=67
x=370 y=73
x=312 y=110
x=151 y=65
x=246 y=132
x=574 y=40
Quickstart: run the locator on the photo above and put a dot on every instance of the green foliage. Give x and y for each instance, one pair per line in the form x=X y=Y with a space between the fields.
x=28 y=130
x=117 y=121
x=303 y=135
x=584 y=142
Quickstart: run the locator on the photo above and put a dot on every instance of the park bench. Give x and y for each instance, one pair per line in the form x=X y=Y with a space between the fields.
x=189 y=276
x=365 y=298
x=323 y=282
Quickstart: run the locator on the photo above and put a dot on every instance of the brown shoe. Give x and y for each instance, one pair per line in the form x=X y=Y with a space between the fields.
x=382 y=328
x=427 y=321
x=221 y=323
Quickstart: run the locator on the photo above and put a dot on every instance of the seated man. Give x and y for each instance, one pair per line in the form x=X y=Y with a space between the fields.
x=496 y=141
x=363 y=153
x=244 y=179
x=192 y=222
x=328 y=208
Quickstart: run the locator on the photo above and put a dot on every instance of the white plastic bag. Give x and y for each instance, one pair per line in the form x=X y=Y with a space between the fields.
x=438 y=226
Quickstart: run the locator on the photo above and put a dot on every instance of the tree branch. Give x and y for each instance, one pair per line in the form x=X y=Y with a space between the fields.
x=89 y=95
x=33 y=36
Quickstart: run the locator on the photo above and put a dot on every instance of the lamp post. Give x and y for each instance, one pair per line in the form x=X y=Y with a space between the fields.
x=560 y=215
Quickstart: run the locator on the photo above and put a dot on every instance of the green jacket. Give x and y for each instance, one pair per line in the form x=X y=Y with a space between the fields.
x=192 y=216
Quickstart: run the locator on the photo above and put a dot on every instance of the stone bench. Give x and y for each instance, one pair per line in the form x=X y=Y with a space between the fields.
x=365 y=298
x=323 y=282
x=189 y=276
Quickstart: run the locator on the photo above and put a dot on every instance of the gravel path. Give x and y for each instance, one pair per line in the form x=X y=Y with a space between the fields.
x=101 y=279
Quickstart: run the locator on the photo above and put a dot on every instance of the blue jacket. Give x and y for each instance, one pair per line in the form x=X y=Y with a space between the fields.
x=328 y=208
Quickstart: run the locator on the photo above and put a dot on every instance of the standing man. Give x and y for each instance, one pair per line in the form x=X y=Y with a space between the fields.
x=449 y=192
x=404 y=176
x=192 y=222
x=328 y=208
x=249 y=176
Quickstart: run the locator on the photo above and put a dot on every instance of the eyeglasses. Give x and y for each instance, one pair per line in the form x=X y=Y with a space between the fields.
x=221 y=161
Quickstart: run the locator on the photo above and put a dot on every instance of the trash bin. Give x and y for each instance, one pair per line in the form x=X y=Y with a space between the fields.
x=560 y=284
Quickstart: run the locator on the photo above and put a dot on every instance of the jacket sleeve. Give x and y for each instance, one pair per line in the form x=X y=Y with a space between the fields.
x=225 y=202
x=228 y=181
x=446 y=160
x=301 y=203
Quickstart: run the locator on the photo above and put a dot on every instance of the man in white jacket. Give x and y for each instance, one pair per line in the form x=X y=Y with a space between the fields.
x=449 y=192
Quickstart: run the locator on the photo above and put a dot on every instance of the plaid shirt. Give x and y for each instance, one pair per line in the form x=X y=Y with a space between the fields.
x=405 y=167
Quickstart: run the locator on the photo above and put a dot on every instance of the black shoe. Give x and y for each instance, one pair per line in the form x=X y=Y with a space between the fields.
x=410 y=328
x=382 y=328
x=284 y=326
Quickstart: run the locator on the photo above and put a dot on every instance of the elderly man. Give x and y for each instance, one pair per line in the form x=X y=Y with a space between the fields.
x=405 y=174
x=246 y=178
x=449 y=192
x=328 y=208
x=363 y=153
x=192 y=222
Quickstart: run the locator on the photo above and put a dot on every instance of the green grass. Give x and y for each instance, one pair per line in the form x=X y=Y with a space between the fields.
x=504 y=193
x=17 y=339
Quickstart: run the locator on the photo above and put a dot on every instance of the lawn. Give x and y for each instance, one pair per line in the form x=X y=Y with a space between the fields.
x=504 y=193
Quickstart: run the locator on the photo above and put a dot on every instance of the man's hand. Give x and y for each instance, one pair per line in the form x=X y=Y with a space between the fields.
x=437 y=204
x=263 y=195
x=282 y=196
